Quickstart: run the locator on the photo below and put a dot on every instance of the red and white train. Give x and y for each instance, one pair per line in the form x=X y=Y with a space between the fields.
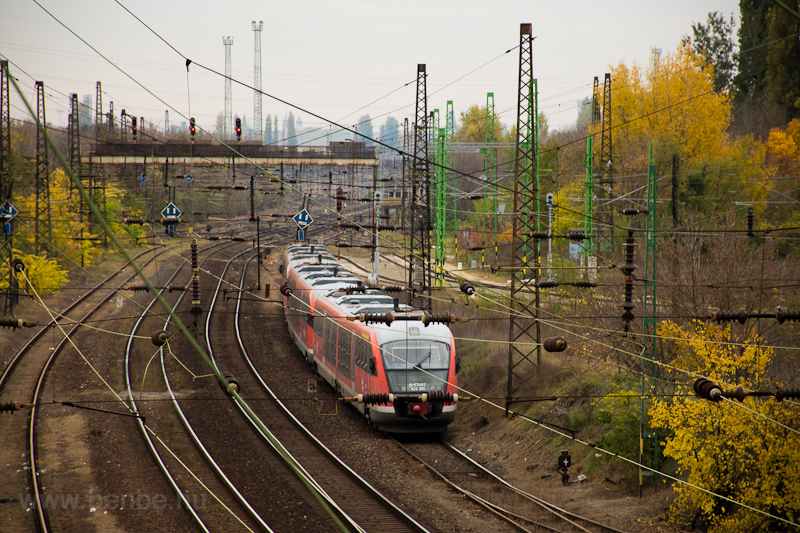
x=404 y=372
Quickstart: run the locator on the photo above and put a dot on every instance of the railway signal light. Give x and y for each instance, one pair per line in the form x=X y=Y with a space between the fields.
x=238 y=129
x=133 y=127
x=192 y=129
x=339 y=206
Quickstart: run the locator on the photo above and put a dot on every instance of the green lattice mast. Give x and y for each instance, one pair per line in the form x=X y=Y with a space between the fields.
x=588 y=203
x=649 y=307
x=441 y=209
x=451 y=215
x=490 y=167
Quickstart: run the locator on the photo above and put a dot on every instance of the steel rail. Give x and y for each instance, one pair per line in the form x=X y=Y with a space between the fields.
x=529 y=495
x=13 y=363
x=327 y=451
x=42 y=520
x=196 y=439
x=148 y=439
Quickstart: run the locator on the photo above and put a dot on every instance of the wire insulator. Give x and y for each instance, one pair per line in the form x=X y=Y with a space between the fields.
x=547 y=284
x=440 y=318
x=374 y=318
x=392 y=288
x=194 y=256
x=707 y=390
x=739 y=316
x=584 y=284
x=738 y=394
x=15 y=323
x=576 y=235
x=537 y=235
x=439 y=396
x=783 y=315
x=781 y=394
x=476 y=248
x=134 y=221
x=467 y=289
x=159 y=338
x=632 y=212
x=376 y=398
x=285 y=289
x=13 y=406
x=555 y=344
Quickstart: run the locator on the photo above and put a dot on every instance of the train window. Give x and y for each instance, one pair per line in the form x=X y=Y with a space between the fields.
x=345 y=350
x=416 y=365
x=318 y=324
x=416 y=353
x=364 y=355
x=330 y=341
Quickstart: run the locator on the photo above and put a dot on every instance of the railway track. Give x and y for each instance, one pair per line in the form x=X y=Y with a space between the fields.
x=522 y=510
x=23 y=380
x=360 y=505
x=203 y=489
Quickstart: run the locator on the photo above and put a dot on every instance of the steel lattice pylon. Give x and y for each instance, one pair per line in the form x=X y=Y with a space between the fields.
x=99 y=134
x=74 y=134
x=5 y=135
x=605 y=215
x=523 y=333
x=42 y=224
x=596 y=101
x=257 y=124
x=419 y=263
x=228 y=123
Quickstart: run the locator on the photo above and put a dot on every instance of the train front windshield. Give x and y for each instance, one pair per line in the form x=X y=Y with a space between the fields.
x=416 y=366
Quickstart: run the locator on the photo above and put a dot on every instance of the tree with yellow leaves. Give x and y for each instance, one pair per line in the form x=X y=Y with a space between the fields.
x=72 y=240
x=748 y=452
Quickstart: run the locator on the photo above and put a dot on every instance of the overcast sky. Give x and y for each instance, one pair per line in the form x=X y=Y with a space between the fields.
x=339 y=59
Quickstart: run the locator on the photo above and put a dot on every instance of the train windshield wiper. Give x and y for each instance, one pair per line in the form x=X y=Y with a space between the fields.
x=419 y=363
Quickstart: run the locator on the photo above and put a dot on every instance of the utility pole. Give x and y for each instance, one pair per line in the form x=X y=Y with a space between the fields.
x=419 y=271
x=523 y=315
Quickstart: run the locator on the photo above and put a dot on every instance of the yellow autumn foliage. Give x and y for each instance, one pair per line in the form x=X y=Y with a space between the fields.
x=748 y=452
x=45 y=275
x=673 y=103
